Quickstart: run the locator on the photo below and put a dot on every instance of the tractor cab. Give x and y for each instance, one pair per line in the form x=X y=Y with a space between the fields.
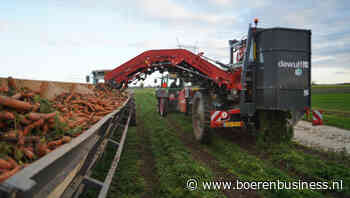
x=172 y=95
x=96 y=76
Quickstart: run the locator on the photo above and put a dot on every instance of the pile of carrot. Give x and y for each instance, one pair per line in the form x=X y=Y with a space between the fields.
x=31 y=127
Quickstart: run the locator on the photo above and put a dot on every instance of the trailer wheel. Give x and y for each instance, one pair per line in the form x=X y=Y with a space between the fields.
x=163 y=107
x=201 y=107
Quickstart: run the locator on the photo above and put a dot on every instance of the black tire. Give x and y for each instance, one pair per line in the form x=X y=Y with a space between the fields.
x=163 y=107
x=201 y=107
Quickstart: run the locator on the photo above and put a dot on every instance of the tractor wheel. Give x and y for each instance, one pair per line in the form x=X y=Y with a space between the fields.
x=163 y=107
x=201 y=107
x=275 y=126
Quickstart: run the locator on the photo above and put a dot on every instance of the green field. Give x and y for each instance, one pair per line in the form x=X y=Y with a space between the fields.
x=335 y=102
x=161 y=154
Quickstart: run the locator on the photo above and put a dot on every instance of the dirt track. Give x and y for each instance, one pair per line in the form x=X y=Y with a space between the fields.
x=322 y=137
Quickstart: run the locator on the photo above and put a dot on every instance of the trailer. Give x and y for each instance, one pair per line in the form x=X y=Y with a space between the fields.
x=66 y=171
x=264 y=88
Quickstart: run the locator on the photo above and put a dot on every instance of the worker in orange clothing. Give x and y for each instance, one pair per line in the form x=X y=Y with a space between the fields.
x=164 y=85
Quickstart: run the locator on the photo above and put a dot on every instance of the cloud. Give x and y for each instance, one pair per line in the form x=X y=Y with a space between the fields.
x=95 y=33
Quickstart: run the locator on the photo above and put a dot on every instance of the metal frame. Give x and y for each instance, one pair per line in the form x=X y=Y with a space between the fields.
x=151 y=60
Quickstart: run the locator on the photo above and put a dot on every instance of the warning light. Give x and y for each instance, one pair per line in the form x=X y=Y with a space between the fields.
x=256 y=20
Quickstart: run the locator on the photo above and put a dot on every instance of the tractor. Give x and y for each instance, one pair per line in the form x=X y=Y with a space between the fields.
x=264 y=88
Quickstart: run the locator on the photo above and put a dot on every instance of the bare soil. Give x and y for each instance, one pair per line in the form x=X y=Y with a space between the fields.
x=148 y=168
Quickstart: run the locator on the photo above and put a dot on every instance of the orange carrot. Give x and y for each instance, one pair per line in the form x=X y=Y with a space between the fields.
x=12 y=162
x=17 y=96
x=30 y=127
x=41 y=149
x=27 y=95
x=8 y=174
x=68 y=98
x=5 y=115
x=38 y=116
x=51 y=120
x=11 y=134
x=20 y=137
x=4 y=89
x=54 y=144
x=5 y=164
x=36 y=107
x=77 y=134
x=24 y=120
x=66 y=139
x=45 y=129
x=16 y=104
x=11 y=83
x=28 y=153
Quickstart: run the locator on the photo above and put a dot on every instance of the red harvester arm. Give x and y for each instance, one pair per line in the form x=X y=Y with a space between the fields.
x=128 y=71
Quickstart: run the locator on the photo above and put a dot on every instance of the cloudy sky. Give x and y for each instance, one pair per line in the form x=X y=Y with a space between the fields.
x=65 y=40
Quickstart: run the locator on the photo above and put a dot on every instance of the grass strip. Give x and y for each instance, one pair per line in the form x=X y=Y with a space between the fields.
x=247 y=167
x=127 y=181
x=173 y=162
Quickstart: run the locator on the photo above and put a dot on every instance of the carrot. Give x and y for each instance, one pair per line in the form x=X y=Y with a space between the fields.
x=41 y=149
x=24 y=120
x=45 y=129
x=99 y=108
x=27 y=95
x=69 y=98
x=85 y=103
x=62 y=119
x=10 y=134
x=66 y=139
x=47 y=150
x=51 y=120
x=77 y=134
x=27 y=153
x=11 y=83
x=12 y=162
x=4 y=89
x=8 y=174
x=38 y=116
x=20 y=138
x=17 y=96
x=16 y=104
x=30 y=127
x=36 y=107
x=5 y=164
x=54 y=144
x=43 y=88
x=5 y=115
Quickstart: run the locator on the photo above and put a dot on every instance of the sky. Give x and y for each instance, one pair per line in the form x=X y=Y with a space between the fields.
x=64 y=40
